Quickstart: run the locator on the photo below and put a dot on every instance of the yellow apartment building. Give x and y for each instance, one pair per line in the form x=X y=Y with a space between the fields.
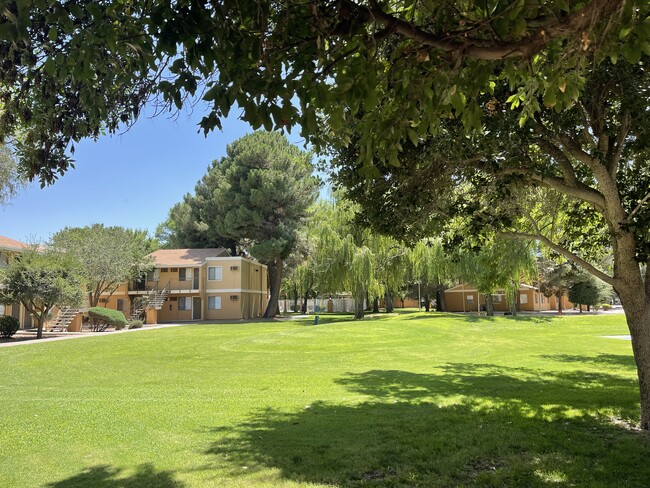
x=196 y=284
x=10 y=248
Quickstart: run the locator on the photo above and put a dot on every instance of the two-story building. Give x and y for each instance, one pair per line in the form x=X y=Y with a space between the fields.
x=196 y=284
x=10 y=248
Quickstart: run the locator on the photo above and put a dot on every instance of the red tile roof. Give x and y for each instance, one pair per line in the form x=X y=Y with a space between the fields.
x=186 y=257
x=11 y=244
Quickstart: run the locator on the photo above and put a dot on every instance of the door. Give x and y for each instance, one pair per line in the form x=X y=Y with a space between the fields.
x=196 y=308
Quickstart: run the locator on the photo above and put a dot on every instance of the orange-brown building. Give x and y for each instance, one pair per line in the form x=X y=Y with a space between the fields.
x=195 y=284
x=10 y=248
x=466 y=298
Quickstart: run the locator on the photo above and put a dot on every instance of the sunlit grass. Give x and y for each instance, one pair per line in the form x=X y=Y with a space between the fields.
x=406 y=400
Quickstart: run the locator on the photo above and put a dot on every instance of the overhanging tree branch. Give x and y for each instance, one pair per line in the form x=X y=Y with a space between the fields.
x=493 y=49
x=564 y=252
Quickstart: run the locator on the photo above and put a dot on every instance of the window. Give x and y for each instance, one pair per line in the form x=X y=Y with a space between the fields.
x=498 y=298
x=120 y=304
x=536 y=298
x=182 y=274
x=470 y=298
x=2 y=309
x=523 y=298
x=234 y=297
x=184 y=303
x=214 y=303
x=214 y=273
x=234 y=268
x=164 y=270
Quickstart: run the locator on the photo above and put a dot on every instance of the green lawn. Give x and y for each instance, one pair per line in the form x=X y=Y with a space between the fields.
x=427 y=400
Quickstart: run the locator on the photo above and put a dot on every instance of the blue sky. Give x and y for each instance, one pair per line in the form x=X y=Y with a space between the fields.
x=131 y=179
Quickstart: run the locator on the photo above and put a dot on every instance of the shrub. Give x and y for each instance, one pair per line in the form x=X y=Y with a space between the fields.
x=8 y=326
x=102 y=318
x=135 y=324
x=605 y=306
x=120 y=326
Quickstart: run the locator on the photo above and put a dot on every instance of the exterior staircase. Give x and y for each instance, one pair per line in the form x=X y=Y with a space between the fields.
x=155 y=300
x=63 y=319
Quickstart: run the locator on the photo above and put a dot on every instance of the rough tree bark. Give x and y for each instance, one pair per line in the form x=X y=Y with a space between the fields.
x=275 y=281
x=389 y=302
x=359 y=298
x=489 y=306
x=375 y=305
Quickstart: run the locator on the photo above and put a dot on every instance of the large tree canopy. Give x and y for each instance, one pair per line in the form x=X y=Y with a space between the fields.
x=577 y=180
x=256 y=197
x=70 y=72
x=108 y=256
x=10 y=178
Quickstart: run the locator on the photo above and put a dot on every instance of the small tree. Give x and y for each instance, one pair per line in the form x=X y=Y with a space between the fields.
x=590 y=291
x=40 y=280
x=109 y=256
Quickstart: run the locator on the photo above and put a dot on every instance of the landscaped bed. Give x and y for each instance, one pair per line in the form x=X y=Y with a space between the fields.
x=410 y=400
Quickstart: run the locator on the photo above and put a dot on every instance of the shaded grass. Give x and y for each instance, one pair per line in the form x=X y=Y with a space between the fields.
x=417 y=399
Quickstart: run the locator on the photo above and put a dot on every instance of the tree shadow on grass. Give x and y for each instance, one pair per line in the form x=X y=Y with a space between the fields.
x=473 y=318
x=469 y=425
x=111 y=477
x=623 y=360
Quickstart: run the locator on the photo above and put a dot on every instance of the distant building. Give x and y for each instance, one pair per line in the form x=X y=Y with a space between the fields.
x=466 y=298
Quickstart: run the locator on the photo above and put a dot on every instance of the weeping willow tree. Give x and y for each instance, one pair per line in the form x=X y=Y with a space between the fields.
x=500 y=264
x=342 y=253
x=391 y=264
x=431 y=267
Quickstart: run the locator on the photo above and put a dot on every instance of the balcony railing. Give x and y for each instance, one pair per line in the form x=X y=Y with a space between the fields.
x=170 y=285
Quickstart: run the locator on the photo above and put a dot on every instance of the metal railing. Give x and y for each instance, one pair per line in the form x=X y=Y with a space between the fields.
x=147 y=285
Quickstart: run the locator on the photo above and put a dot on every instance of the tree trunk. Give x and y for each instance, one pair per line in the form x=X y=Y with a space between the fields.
x=489 y=306
x=440 y=300
x=295 y=300
x=39 y=326
x=275 y=281
x=375 y=305
x=358 y=303
x=559 y=302
x=636 y=304
x=389 y=302
x=367 y=308
x=427 y=303
x=580 y=307
x=305 y=298
x=402 y=300
x=513 y=304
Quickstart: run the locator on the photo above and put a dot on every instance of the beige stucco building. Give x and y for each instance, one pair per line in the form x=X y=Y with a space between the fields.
x=196 y=284
x=10 y=248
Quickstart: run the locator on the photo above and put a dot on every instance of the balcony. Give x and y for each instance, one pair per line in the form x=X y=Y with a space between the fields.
x=142 y=287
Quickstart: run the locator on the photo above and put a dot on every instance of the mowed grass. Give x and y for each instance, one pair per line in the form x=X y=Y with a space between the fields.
x=431 y=400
